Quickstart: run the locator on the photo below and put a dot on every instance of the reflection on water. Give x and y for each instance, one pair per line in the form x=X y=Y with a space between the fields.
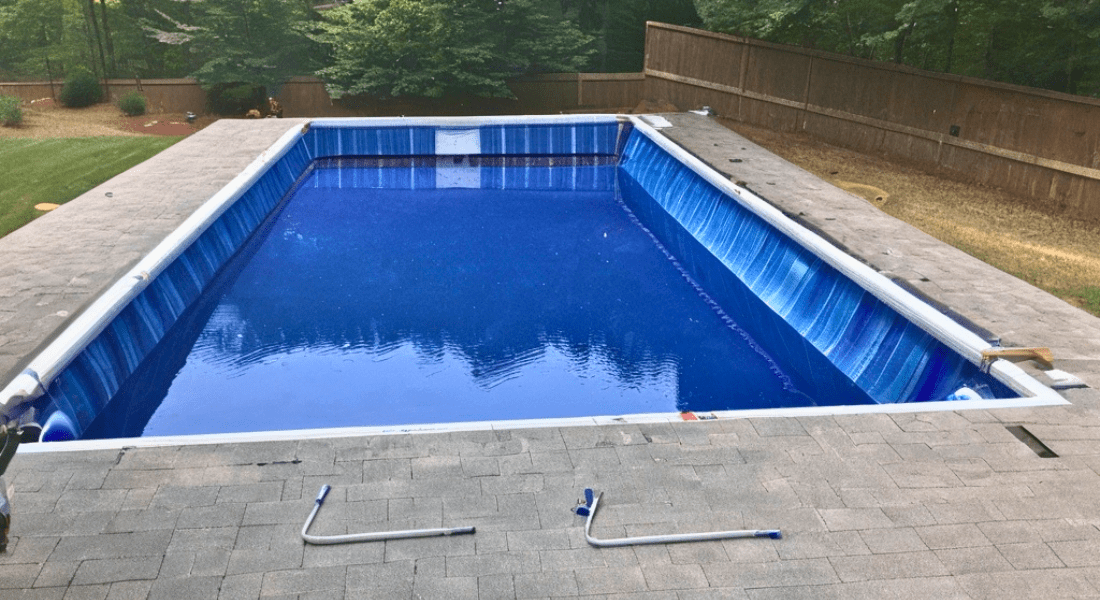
x=381 y=307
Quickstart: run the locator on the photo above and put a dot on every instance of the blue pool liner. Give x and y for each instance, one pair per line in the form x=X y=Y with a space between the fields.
x=824 y=317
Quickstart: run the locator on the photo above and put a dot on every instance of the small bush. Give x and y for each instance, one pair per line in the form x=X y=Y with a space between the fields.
x=81 y=89
x=132 y=104
x=11 y=113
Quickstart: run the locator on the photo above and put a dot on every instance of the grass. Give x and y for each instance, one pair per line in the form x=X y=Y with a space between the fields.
x=1088 y=297
x=56 y=170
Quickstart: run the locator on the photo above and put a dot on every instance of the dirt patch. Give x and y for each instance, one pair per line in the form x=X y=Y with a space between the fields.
x=876 y=196
x=654 y=106
x=1016 y=234
x=45 y=119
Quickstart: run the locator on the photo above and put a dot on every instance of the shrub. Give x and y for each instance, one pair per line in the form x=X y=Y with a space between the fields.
x=235 y=98
x=132 y=104
x=81 y=89
x=11 y=113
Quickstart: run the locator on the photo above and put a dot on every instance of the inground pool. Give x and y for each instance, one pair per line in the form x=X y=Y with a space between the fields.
x=377 y=275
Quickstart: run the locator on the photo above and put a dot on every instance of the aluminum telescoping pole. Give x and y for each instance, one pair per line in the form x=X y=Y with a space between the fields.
x=369 y=537
x=592 y=503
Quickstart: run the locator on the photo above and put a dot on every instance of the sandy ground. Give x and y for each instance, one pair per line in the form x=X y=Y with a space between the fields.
x=45 y=119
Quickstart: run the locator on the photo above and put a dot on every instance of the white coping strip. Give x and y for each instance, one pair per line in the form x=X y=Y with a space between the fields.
x=942 y=327
x=633 y=419
x=55 y=357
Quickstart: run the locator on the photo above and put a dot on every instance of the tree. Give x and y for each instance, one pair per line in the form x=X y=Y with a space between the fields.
x=153 y=38
x=42 y=38
x=619 y=27
x=1041 y=43
x=440 y=48
x=261 y=42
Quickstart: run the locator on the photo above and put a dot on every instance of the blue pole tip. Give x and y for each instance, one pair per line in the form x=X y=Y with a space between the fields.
x=589 y=496
x=775 y=535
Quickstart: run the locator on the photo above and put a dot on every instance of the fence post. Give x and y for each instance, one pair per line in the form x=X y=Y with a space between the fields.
x=806 y=95
x=741 y=77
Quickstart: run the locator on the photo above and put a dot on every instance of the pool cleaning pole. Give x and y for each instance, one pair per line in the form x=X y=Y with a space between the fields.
x=589 y=509
x=369 y=537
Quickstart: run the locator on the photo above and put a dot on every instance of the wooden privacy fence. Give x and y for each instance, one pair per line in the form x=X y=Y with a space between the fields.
x=1041 y=144
x=306 y=96
x=162 y=95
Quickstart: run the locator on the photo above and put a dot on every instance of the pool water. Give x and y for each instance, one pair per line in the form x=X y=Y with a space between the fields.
x=365 y=302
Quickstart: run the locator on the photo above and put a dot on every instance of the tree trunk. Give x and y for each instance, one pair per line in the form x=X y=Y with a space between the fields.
x=953 y=16
x=91 y=46
x=107 y=35
x=99 y=42
x=46 y=55
x=899 y=42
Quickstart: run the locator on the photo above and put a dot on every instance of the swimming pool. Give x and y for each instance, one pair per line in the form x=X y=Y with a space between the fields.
x=873 y=339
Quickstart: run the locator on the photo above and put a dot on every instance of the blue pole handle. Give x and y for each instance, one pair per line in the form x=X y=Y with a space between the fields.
x=324 y=492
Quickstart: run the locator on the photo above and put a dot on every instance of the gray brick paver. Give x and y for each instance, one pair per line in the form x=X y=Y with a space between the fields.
x=112 y=545
x=81 y=592
x=185 y=588
x=302 y=581
x=545 y=584
x=109 y=570
x=130 y=590
x=889 y=566
x=784 y=573
x=56 y=573
x=18 y=576
x=609 y=580
x=1081 y=553
x=505 y=563
x=495 y=587
x=986 y=559
x=1024 y=556
x=674 y=577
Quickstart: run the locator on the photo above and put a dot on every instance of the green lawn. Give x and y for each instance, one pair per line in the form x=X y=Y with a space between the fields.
x=58 y=170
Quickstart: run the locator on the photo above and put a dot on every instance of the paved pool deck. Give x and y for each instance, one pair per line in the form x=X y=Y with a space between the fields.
x=915 y=505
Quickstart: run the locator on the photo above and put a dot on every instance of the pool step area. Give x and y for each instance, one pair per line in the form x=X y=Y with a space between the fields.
x=803 y=307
